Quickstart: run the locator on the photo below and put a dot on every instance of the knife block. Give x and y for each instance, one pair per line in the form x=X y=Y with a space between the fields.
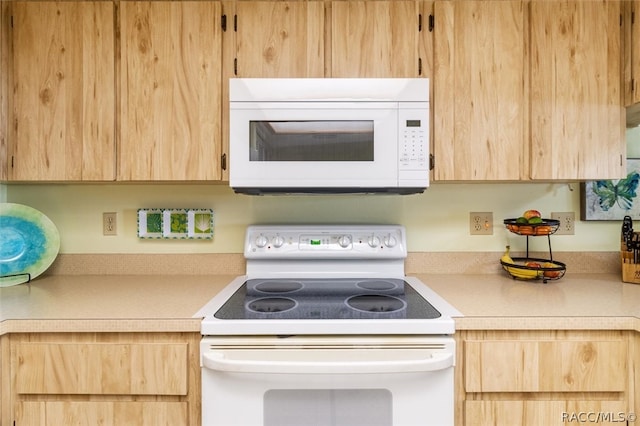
x=630 y=270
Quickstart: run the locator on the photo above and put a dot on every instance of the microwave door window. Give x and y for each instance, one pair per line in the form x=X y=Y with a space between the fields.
x=336 y=140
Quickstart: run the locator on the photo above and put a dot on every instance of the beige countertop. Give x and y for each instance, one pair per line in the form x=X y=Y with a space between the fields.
x=576 y=301
x=95 y=303
x=148 y=303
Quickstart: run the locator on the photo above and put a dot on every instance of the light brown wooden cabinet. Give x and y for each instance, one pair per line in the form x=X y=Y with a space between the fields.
x=103 y=378
x=544 y=377
x=336 y=39
x=279 y=39
x=631 y=28
x=62 y=118
x=376 y=39
x=170 y=96
x=528 y=91
x=480 y=100
x=509 y=103
x=577 y=118
x=5 y=45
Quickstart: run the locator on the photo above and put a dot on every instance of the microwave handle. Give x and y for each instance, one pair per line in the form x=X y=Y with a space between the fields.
x=218 y=362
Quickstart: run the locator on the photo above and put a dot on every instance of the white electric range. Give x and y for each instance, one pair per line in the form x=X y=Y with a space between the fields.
x=323 y=325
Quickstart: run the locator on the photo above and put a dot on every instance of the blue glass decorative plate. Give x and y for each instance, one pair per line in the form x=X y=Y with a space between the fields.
x=29 y=243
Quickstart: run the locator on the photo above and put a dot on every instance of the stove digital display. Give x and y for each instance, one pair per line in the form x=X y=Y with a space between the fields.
x=315 y=242
x=326 y=299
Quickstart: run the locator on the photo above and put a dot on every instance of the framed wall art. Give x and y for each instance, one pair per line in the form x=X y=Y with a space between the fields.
x=612 y=199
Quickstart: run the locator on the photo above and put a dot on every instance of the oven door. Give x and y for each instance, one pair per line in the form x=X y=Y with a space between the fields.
x=313 y=144
x=334 y=385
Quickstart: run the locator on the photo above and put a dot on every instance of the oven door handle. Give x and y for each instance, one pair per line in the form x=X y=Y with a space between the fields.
x=218 y=361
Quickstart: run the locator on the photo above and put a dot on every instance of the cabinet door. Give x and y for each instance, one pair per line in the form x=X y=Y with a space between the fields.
x=577 y=118
x=632 y=61
x=63 y=92
x=5 y=46
x=375 y=39
x=170 y=108
x=280 y=39
x=106 y=413
x=479 y=99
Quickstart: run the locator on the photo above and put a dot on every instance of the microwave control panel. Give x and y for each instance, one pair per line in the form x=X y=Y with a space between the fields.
x=413 y=137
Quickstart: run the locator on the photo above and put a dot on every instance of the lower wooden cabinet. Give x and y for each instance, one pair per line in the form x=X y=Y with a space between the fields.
x=102 y=378
x=544 y=377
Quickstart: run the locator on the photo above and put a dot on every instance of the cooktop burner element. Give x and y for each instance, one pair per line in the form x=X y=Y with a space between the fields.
x=376 y=303
x=326 y=280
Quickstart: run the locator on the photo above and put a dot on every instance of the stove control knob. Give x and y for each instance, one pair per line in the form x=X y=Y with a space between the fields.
x=344 y=241
x=261 y=241
x=374 y=241
x=390 y=241
x=277 y=241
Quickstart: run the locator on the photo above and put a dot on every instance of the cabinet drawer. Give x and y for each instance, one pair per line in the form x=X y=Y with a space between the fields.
x=102 y=368
x=548 y=413
x=91 y=413
x=545 y=366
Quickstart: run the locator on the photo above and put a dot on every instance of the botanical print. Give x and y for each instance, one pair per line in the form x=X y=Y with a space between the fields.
x=178 y=223
x=154 y=222
x=202 y=223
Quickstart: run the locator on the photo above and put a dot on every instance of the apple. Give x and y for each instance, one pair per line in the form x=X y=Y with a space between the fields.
x=531 y=213
x=551 y=274
x=533 y=265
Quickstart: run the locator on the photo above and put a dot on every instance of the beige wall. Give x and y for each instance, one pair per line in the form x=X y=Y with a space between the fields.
x=437 y=220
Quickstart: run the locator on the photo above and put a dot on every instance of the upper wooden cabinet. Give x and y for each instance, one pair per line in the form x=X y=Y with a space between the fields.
x=62 y=119
x=528 y=91
x=279 y=39
x=375 y=39
x=170 y=103
x=479 y=105
x=5 y=44
x=351 y=39
x=577 y=118
x=631 y=28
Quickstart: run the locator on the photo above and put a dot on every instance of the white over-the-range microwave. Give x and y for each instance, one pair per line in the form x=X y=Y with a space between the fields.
x=329 y=135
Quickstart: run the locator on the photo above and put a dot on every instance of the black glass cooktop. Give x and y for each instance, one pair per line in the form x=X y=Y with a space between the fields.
x=326 y=299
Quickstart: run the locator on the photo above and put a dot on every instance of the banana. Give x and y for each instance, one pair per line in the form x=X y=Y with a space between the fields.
x=506 y=258
x=527 y=274
x=515 y=271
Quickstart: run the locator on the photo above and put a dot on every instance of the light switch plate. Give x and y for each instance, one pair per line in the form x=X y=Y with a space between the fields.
x=481 y=223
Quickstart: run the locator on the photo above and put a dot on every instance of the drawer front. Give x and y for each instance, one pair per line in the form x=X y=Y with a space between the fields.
x=102 y=368
x=548 y=413
x=545 y=366
x=90 y=413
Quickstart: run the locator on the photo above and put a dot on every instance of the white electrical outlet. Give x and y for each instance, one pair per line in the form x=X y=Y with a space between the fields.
x=481 y=223
x=567 y=222
x=109 y=221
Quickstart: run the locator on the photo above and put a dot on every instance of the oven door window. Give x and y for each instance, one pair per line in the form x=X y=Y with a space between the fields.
x=312 y=140
x=336 y=407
